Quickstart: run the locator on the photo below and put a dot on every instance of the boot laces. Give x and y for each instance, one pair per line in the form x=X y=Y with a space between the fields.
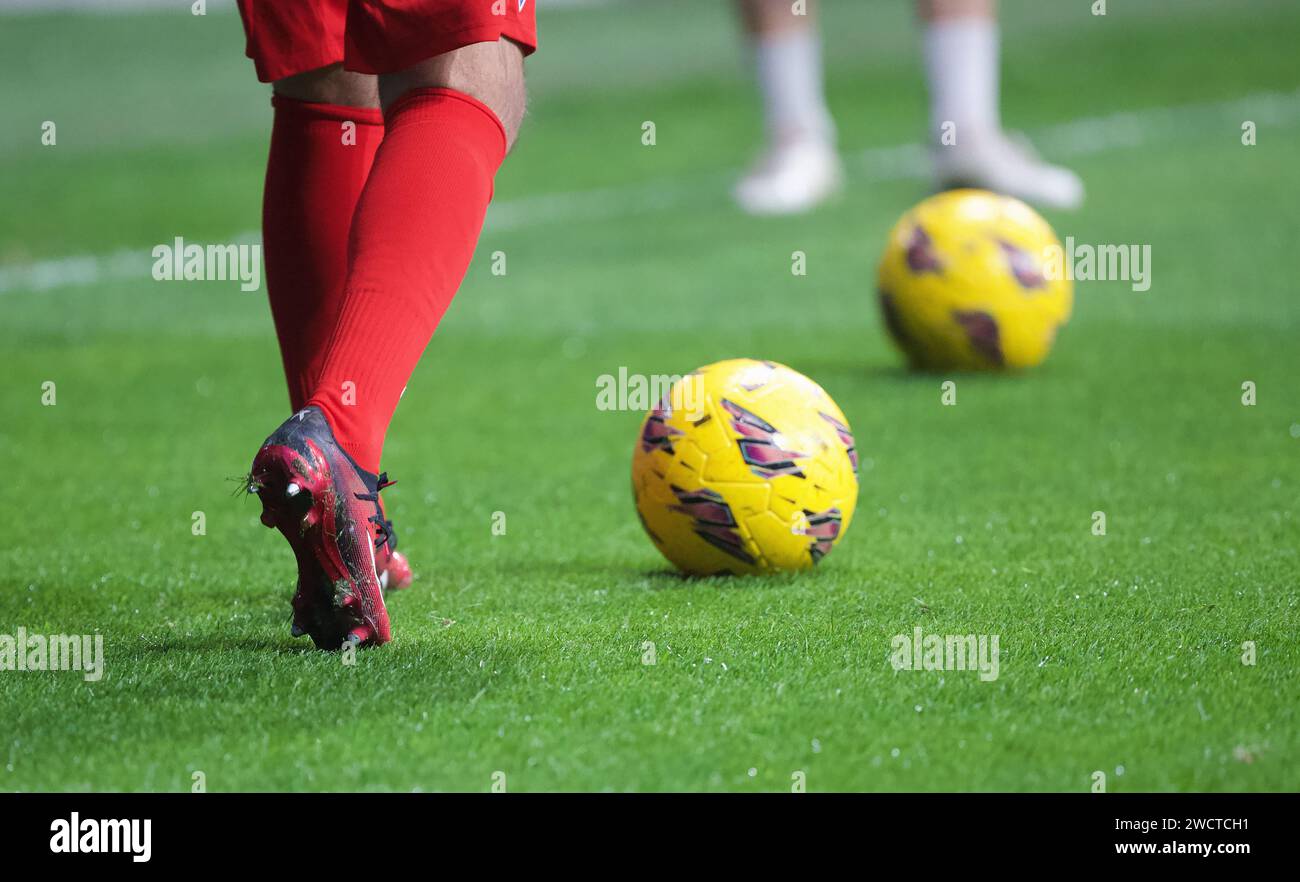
x=383 y=526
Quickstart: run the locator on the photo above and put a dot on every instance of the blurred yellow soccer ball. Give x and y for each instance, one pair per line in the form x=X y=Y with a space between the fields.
x=965 y=283
x=745 y=467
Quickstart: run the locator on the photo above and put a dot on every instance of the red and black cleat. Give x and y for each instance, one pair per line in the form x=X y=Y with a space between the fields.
x=328 y=509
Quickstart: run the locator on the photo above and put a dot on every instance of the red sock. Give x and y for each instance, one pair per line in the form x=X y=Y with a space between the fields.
x=413 y=235
x=314 y=175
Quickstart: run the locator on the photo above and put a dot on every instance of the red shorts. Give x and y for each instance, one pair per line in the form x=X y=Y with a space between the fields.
x=287 y=37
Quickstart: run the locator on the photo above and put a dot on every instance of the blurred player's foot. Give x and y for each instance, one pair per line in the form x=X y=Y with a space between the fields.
x=327 y=508
x=393 y=567
x=791 y=178
x=1006 y=164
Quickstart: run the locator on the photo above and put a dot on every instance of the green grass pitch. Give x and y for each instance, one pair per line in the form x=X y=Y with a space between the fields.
x=522 y=653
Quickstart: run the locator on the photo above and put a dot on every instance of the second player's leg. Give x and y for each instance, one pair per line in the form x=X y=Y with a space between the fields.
x=962 y=54
x=959 y=42
x=799 y=167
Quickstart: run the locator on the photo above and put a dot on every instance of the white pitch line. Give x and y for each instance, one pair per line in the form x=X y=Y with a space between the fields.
x=1082 y=137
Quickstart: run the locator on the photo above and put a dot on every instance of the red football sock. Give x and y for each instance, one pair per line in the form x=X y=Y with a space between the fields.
x=413 y=235
x=314 y=175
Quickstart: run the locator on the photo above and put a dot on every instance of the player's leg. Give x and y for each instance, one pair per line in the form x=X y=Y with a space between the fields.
x=961 y=48
x=490 y=73
x=326 y=129
x=327 y=126
x=330 y=85
x=415 y=229
x=799 y=167
x=453 y=97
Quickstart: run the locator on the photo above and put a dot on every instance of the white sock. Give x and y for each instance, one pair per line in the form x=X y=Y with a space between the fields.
x=961 y=69
x=789 y=67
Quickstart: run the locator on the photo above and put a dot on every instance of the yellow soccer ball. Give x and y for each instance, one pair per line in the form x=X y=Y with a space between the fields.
x=966 y=283
x=745 y=467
